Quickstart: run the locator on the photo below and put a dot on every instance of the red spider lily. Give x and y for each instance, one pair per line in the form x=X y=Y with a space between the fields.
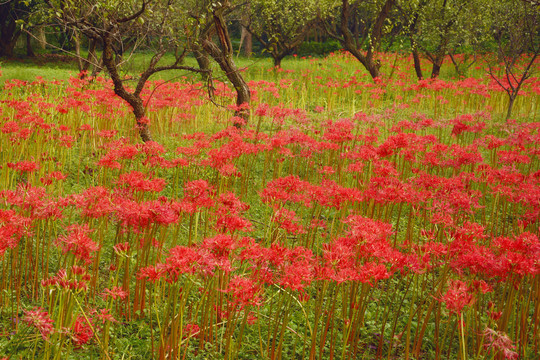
x=10 y=127
x=289 y=188
x=61 y=279
x=501 y=343
x=106 y=134
x=82 y=331
x=41 y=320
x=95 y=202
x=152 y=148
x=287 y=220
x=295 y=267
x=339 y=131
x=86 y=127
x=469 y=123
x=105 y=316
x=190 y=330
x=197 y=194
x=138 y=181
x=228 y=212
x=78 y=242
x=35 y=201
x=331 y=194
x=12 y=228
x=66 y=141
x=109 y=161
x=116 y=293
x=185 y=260
x=51 y=177
x=220 y=245
x=511 y=157
x=262 y=109
x=366 y=229
x=24 y=166
x=244 y=292
x=131 y=213
x=151 y=273
x=457 y=297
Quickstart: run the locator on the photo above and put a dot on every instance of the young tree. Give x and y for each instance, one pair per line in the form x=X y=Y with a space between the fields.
x=516 y=29
x=281 y=25
x=376 y=23
x=410 y=12
x=441 y=28
x=438 y=28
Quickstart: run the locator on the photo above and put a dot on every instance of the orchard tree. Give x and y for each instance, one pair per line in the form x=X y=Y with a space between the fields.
x=441 y=28
x=516 y=31
x=437 y=28
x=114 y=24
x=281 y=25
x=410 y=13
x=363 y=44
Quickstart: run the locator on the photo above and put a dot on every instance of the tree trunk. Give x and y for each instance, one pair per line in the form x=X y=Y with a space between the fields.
x=42 y=39
x=277 y=60
x=29 y=49
x=227 y=65
x=77 y=42
x=414 y=45
x=91 y=58
x=223 y=55
x=8 y=30
x=8 y=41
x=512 y=98
x=347 y=39
x=133 y=100
x=436 y=70
x=417 y=64
x=202 y=60
x=248 y=39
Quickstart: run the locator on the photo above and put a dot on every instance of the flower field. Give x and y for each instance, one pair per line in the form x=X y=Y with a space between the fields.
x=347 y=220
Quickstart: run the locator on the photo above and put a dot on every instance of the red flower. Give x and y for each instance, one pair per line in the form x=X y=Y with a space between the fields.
x=457 y=297
x=138 y=181
x=116 y=293
x=39 y=319
x=244 y=292
x=499 y=341
x=78 y=242
x=24 y=166
x=82 y=331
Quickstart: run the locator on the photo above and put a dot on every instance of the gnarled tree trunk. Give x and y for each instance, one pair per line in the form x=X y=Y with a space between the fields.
x=223 y=55
x=347 y=38
x=132 y=99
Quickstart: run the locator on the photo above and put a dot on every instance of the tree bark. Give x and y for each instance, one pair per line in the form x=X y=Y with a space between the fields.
x=91 y=58
x=8 y=39
x=510 y=106
x=77 y=41
x=134 y=100
x=223 y=55
x=417 y=64
x=277 y=61
x=437 y=64
x=29 y=49
x=347 y=38
x=202 y=60
x=248 y=39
